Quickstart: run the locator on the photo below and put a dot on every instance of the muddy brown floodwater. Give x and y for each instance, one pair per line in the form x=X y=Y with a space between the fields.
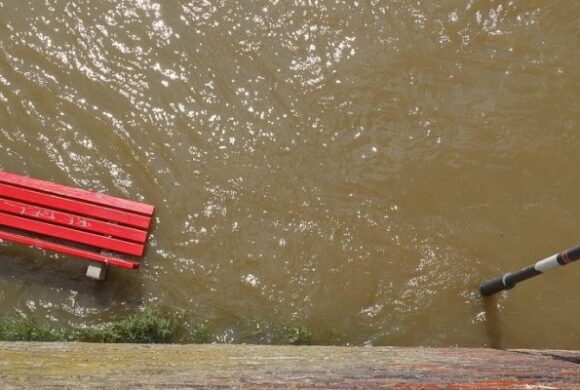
x=355 y=167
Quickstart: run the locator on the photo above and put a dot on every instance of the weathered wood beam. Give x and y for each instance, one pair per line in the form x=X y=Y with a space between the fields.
x=81 y=365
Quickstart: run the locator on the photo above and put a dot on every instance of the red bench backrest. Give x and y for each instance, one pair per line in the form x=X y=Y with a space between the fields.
x=78 y=216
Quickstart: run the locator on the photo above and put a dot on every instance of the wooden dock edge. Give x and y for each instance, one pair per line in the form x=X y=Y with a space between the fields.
x=127 y=366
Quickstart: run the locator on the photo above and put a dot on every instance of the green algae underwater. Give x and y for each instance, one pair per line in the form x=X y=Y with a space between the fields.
x=151 y=325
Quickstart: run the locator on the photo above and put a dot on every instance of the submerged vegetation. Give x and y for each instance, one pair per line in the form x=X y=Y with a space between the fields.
x=152 y=325
x=298 y=335
x=21 y=329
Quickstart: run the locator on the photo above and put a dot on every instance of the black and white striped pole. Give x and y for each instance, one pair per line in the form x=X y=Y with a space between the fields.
x=510 y=279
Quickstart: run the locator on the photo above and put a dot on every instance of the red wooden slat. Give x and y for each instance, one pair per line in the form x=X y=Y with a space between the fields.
x=89 y=196
x=36 y=242
x=71 y=234
x=76 y=207
x=72 y=221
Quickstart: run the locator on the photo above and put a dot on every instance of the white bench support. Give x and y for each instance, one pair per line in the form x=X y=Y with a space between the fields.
x=97 y=271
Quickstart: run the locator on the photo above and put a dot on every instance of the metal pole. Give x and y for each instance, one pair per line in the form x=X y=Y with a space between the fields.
x=510 y=279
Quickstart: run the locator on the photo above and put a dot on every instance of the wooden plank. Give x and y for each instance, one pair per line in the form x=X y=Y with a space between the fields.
x=221 y=366
x=66 y=233
x=67 y=250
x=72 y=220
x=76 y=207
x=76 y=193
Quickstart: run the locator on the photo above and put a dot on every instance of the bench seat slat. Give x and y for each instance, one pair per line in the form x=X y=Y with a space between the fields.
x=72 y=220
x=67 y=250
x=66 y=233
x=59 y=189
x=77 y=207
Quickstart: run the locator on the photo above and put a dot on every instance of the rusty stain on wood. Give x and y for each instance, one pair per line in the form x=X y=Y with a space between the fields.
x=83 y=365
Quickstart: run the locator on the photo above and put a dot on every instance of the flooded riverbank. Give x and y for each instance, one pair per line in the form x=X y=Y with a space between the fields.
x=356 y=168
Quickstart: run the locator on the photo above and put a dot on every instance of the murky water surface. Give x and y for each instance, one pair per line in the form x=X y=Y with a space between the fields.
x=356 y=167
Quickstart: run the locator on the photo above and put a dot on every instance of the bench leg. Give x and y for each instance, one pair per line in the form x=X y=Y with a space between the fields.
x=97 y=271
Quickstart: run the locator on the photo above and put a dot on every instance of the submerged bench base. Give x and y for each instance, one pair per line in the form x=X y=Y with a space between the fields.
x=97 y=271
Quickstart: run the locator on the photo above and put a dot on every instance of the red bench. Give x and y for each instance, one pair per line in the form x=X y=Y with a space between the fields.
x=85 y=224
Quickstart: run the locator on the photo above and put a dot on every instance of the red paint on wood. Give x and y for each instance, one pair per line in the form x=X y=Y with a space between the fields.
x=71 y=234
x=76 y=207
x=67 y=250
x=72 y=221
x=76 y=193
x=77 y=216
x=495 y=385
